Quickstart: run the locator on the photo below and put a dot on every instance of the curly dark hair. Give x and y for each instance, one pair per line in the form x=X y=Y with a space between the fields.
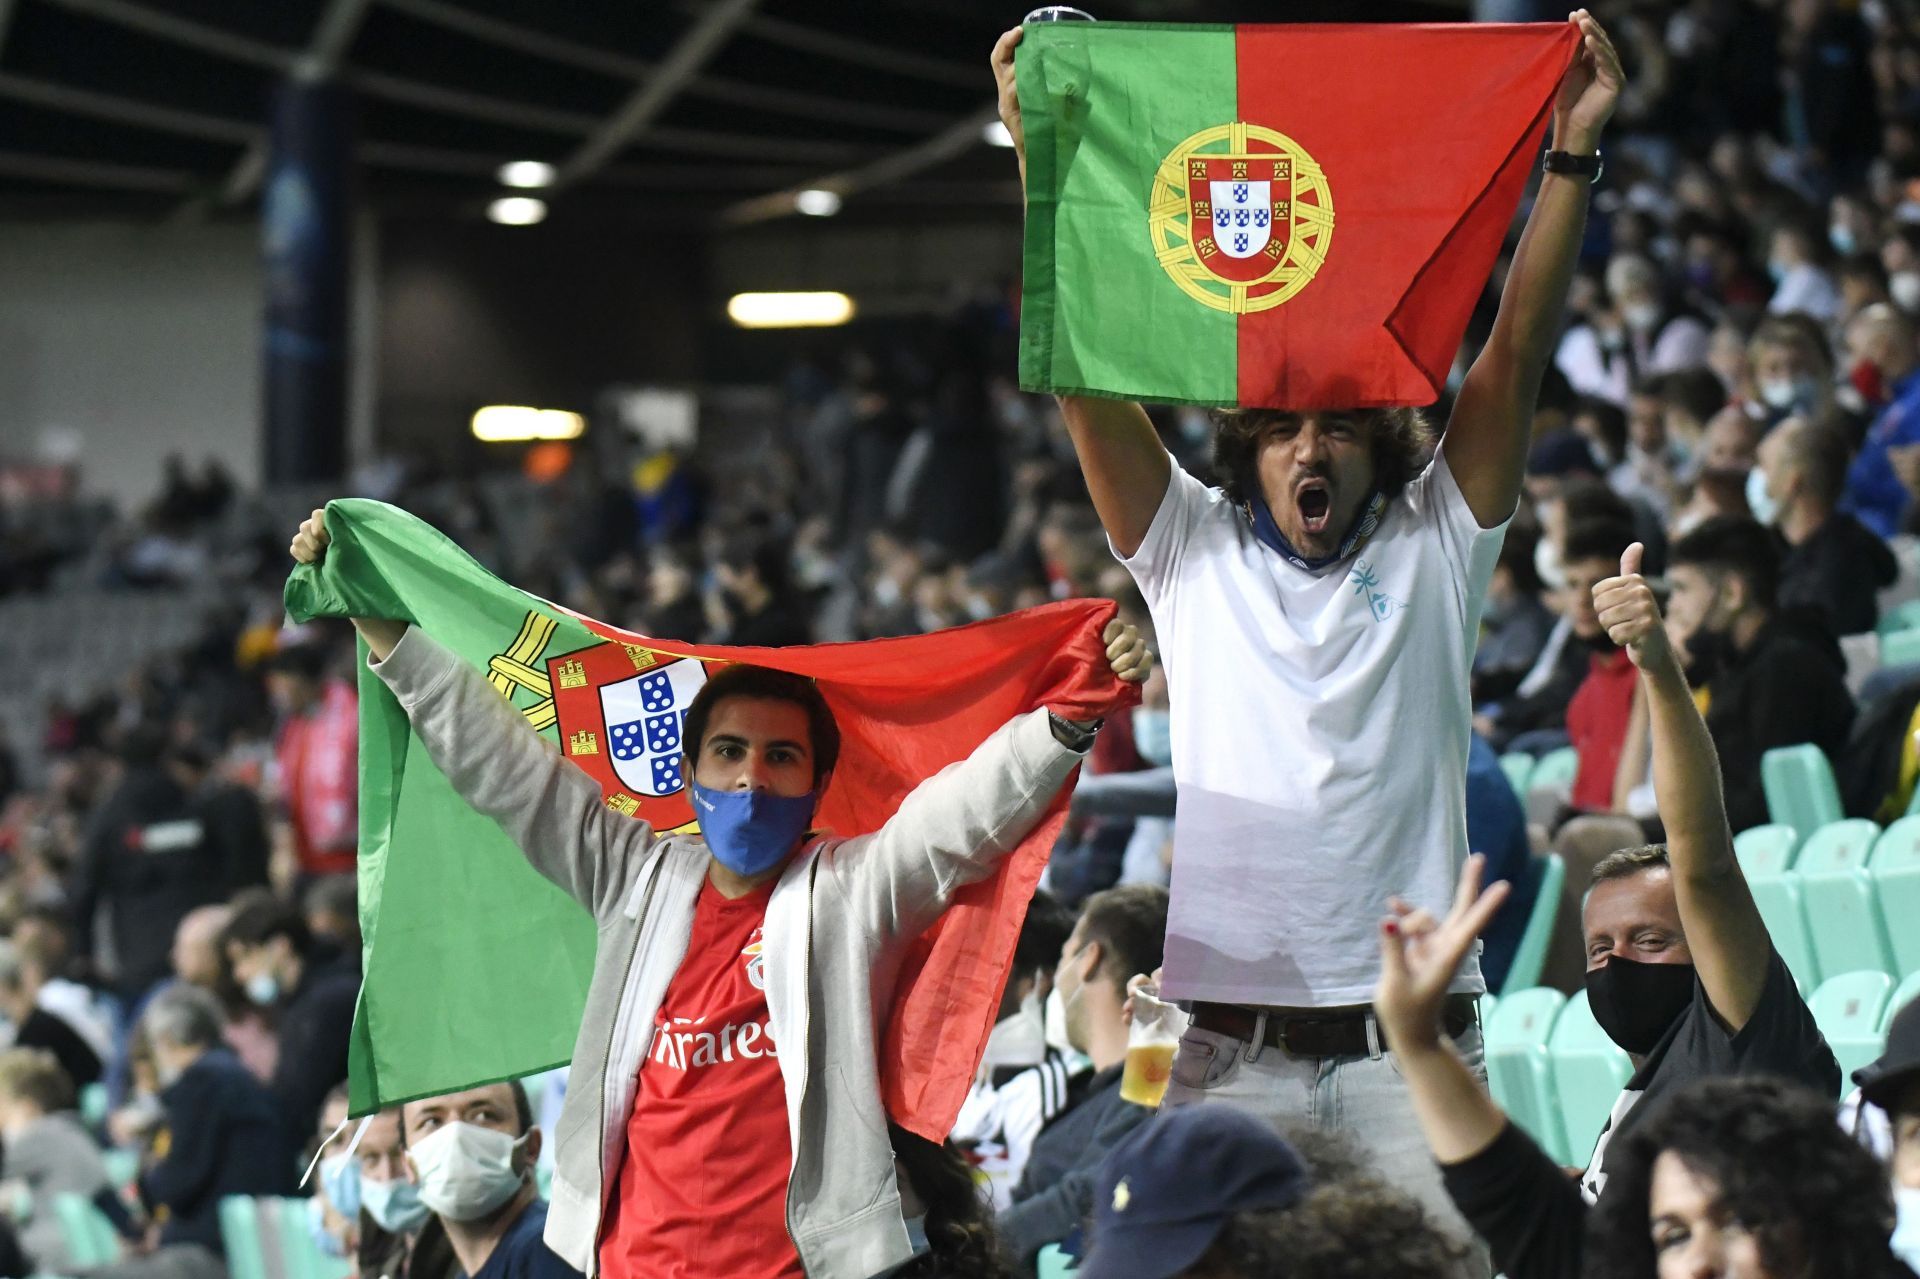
x=1402 y=439
x=1816 y=1200
x=960 y=1237
x=1354 y=1227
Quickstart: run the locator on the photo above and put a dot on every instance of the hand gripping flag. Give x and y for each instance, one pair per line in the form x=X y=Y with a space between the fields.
x=1270 y=216
x=476 y=968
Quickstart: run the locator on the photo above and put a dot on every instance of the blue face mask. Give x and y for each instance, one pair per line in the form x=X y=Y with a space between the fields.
x=1153 y=736
x=394 y=1205
x=340 y=1179
x=750 y=831
x=323 y=1239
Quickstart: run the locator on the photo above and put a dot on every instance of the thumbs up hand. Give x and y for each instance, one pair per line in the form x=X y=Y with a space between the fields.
x=1631 y=615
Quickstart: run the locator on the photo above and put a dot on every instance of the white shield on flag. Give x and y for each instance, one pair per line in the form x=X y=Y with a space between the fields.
x=645 y=718
x=1242 y=216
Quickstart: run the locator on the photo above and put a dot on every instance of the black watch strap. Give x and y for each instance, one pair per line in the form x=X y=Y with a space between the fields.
x=1075 y=737
x=1575 y=166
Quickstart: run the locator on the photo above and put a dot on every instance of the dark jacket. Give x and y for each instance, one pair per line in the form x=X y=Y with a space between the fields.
x=146 y=861
x=236 y=834
x=225 y=1135
x=427 y=1255
x=1055 y=1192
x=1838 y=572
x=316 y=1022
x=1788 y=687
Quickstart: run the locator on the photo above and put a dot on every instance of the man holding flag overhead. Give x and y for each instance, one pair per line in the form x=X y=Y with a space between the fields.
x=1293 y=224
x=725 y=1114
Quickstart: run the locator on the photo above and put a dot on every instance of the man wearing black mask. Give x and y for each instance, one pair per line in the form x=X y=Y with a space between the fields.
x=1680 y=970
x=1773 y=676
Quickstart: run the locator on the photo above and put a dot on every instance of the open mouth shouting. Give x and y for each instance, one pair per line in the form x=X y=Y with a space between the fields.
x=1315 y=502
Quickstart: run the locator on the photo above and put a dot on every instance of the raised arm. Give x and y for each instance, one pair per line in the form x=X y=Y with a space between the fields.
x=1723 y=927
x=957 y=825
x=494 y=759
x=1126 y=466
x=1491 y=427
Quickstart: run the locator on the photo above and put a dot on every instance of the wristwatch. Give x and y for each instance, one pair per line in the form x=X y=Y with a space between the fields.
x=1075 y=737
x=1575 y=166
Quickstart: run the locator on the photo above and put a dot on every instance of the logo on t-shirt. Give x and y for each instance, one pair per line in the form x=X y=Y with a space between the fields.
x=1367 y=582
x=686 y=1044
x=756 y=961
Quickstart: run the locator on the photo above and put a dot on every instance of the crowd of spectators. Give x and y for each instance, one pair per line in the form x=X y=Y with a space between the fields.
x=1737 y=388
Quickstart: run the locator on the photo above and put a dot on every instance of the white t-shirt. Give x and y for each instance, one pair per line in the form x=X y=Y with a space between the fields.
x=1320 y=727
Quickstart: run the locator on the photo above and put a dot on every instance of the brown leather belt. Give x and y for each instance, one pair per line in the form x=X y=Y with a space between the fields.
x=1321 y=1032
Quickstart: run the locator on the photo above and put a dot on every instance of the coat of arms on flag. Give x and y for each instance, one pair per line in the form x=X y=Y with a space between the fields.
x=1255 y=217
x=622 y=712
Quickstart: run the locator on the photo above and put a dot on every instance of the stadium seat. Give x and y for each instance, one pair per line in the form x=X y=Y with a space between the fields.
x=1766 y=850
x=1589 y=1070
x=1778 y=897
x=1053 y=1263
x=1555 y=771
x=90 y=1238
x=240 y=1232
x=1518 y=766
x=1530 y=956
x=122 y=1167
x=1903 y=994
x=1842 y=921
x=1801 y=792
x=1848 y=1011
x=1900 y=648
x=1519 y=1070
x=301 y=1255
x=93 y=1105
x=1905 y=617
x=1894 y=869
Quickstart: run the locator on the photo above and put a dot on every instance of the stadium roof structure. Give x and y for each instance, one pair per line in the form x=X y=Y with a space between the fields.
x=674 y=110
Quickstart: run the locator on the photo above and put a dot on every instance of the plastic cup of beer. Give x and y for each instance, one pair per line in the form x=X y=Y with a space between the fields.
x=1058 y=13
x=1152 y=1040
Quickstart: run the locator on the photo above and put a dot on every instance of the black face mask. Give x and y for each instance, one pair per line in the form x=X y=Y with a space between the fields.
x=1635 y=1003
x=1709 y=653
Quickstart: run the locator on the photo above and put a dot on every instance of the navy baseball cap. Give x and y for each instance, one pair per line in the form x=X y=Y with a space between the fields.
x=1562 y=452
x=1170 y=1185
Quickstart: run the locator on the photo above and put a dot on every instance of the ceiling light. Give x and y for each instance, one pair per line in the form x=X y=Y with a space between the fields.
x=996 y=135
x=526 y=174
x=512 y=423
x=517 y=210
x=789 y=310
x=817 y=202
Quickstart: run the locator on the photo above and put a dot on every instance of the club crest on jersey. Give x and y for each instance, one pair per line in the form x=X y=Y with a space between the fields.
x=1241 y=217
x=755 y=954
x=622 y=713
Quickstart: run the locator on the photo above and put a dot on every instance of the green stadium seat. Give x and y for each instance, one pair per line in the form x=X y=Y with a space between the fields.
x=1555 y=771
x=1894 y=869
x=1519 y=1070
x=1518 y=766
x=1901 y=618
x=1842 y=920
x=1848 y=1010
x=1901 y=648
x=1530 y=956
x=301 y=1256
x=1766 y=850
x=1054 y=1264
x=1903 y=994
x=1801 y=792
x=90 y=1238
x=93 y=1106
x=1778 y=897
x=1589 y=1070
x=123 y=1166
x=240 y=1232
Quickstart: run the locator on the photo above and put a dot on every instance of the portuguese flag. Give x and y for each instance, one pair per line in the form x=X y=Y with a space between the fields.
x=1270 y=216
x=475 y=968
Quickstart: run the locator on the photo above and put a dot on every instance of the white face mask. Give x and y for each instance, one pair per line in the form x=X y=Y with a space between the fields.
x=466 y=1171
x=1546 y=562
x=1904 y=288
x=1641 y=316
x=1020 y=1039
x=1056 y=1022
x=1906 y=1229
x=1761 y=502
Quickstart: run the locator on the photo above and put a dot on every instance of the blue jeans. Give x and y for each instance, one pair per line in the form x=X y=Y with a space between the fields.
x=1362 y=1098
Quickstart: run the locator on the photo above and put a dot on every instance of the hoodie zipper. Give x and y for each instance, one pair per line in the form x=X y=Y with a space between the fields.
x=606 y=1067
